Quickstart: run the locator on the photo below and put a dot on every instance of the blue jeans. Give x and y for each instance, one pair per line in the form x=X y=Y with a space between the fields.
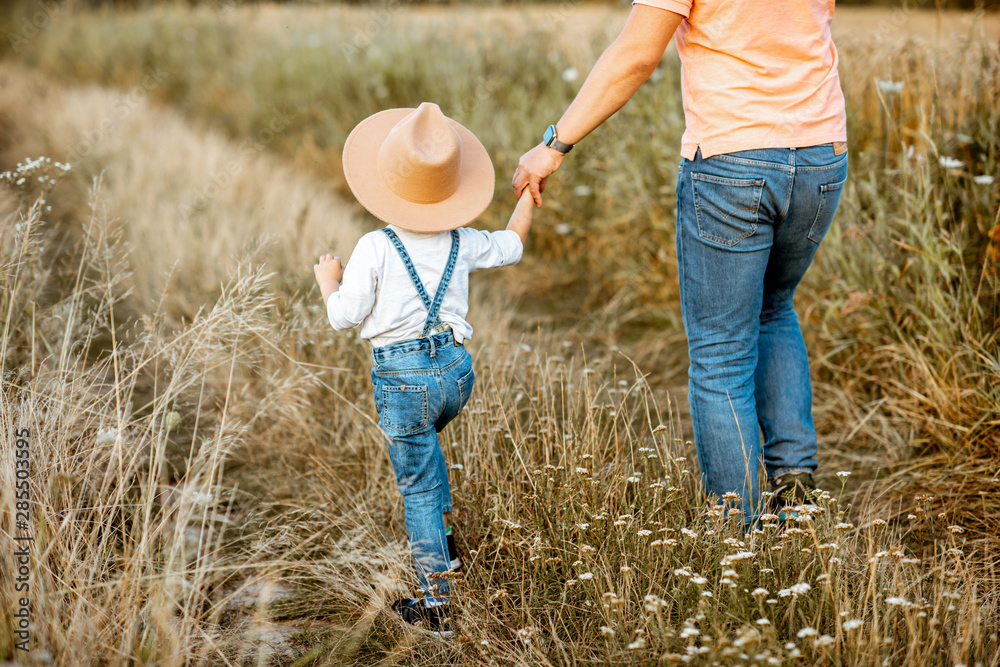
x=748 y=226
x=420 y=385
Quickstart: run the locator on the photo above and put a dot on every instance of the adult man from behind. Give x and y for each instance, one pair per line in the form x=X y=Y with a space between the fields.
x=763 y=165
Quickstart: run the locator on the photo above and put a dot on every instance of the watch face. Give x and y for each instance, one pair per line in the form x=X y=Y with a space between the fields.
x=550 y=134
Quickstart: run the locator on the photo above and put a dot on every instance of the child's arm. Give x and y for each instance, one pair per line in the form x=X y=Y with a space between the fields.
x=520 y=220
x=329 y=273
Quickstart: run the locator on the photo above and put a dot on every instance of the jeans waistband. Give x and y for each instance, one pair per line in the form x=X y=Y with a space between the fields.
x=428 y=343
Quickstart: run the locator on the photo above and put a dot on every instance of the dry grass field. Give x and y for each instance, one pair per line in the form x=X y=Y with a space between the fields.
x=207 y=485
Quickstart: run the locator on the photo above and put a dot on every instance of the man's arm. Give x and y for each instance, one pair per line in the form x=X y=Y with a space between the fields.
x=619 y=72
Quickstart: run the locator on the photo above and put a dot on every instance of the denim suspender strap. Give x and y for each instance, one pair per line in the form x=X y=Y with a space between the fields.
x=432 y=307
x=432 y=315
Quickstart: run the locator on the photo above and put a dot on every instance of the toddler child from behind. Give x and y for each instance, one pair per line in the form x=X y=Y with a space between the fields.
x=407 y=285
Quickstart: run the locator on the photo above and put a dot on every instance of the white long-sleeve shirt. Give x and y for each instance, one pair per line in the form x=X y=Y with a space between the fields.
x=377 y=292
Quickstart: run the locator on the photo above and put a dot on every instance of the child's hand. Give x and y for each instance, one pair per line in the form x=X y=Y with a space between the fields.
x=329 y=272
x=328 y=269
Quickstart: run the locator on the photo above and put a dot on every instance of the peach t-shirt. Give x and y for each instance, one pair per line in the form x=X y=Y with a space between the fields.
x=757 y=74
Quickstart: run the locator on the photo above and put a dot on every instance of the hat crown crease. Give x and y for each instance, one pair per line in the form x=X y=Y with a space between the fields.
x=421 y=157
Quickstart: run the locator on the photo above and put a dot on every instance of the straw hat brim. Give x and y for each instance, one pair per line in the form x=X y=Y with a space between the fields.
x=470 y=199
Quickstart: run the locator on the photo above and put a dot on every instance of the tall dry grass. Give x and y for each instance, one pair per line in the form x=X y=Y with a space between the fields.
x=901 y=309
x=162 y=535
x=209 y=486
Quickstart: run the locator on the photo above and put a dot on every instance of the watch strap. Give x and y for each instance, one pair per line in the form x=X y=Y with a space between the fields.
x=560 y=146
x=554 y=143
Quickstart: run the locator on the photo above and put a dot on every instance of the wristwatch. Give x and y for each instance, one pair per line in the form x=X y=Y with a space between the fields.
x=552 y=141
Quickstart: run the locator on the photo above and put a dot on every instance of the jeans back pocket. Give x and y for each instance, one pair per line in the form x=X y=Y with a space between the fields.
x=465 y=385
x=829 y=198
x=727 y=208
x=404 y=408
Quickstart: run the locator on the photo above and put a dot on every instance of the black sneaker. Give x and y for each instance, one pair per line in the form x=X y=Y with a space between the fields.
x=456 y=562
x=791 y=490
x=436 y=620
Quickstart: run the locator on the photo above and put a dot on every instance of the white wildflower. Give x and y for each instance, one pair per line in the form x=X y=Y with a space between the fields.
x=106 y=436
x=800 y=588
x=949 y=162
x=200 y=499
x=652 y=603
x=985 y=179
x=888 y=86
x=732 y=558
x=570 y=74
x=806 y=632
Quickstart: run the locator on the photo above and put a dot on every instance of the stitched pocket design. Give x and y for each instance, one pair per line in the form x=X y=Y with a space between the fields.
x=465 y=386
x=404 y=408
x=829 y=197
x=727 y=208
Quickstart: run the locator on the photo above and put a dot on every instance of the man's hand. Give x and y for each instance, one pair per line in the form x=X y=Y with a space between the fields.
x=534 y=168
x=619 y=72
x=329 y=274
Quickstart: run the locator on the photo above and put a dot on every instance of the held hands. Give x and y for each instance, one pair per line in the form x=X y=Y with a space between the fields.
x=329 y=273
x=534 y=169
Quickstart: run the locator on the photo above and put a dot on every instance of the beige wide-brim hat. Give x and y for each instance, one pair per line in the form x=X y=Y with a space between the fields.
x=418 y=169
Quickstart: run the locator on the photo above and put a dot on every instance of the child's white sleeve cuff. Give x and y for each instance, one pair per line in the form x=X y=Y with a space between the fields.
x=493 y=249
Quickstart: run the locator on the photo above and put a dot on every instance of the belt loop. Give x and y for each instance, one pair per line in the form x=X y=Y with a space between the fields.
x=433 y=349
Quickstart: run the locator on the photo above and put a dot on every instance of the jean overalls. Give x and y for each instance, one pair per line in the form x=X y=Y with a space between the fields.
x=420 y=385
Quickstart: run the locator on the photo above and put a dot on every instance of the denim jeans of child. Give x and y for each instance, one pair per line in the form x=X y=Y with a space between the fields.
x=420 y=385
x=748 y=226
